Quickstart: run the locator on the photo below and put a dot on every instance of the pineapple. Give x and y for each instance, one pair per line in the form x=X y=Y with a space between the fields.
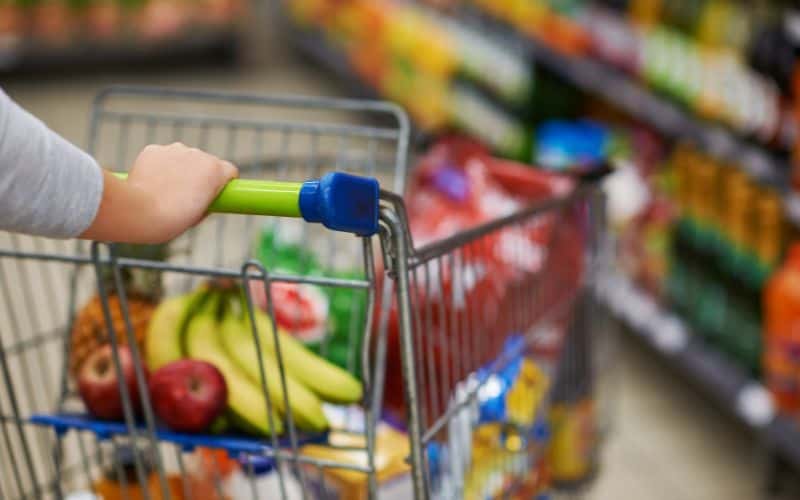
x=143 y=291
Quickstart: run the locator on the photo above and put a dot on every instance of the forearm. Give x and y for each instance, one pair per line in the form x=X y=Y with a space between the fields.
x=126 y=213
x=48 y=186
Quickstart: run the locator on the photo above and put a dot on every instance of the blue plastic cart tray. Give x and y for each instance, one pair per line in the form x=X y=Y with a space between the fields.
x=234 y=444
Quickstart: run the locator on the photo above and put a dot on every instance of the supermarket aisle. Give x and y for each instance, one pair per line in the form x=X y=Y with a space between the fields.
x=668 y=443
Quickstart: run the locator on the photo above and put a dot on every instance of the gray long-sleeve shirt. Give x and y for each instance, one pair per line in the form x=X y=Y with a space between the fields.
x=48 y=187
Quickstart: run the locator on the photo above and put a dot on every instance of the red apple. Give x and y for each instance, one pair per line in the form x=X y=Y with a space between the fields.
x=98 y=386
x=188 y=395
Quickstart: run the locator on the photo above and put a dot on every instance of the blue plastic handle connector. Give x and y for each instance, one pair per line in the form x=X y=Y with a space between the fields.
x=342 y=202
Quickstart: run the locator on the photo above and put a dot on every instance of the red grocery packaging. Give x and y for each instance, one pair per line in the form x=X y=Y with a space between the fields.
x=467 y=301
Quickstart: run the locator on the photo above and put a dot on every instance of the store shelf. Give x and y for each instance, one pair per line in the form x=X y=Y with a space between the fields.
x=30 y=57
x=599 y=79
x=730 y=386
x=314 y=45
x=784 y=435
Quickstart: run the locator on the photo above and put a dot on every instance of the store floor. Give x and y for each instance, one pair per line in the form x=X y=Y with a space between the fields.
x=668 y=442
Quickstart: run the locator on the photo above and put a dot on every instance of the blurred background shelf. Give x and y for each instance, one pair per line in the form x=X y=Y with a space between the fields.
x=705 y=367
x=203 y=44
x=597 y=78
x=313 y=45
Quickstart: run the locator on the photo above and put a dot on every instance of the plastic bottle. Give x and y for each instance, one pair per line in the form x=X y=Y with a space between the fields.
x=782 y=333
x=740 y=269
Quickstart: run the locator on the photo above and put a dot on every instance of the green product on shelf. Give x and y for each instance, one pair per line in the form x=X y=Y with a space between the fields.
x=707 y=310
x=656 y=67
x=681 y=286
x=477 y=114
x=508 y=75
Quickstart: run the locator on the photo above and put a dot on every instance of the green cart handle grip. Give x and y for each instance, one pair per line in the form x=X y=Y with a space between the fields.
x=341 y=202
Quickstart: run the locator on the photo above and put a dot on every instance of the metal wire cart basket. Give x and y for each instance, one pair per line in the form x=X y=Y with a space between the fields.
x=355 y=367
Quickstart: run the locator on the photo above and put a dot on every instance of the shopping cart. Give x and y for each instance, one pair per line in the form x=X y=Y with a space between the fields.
x=449 y=342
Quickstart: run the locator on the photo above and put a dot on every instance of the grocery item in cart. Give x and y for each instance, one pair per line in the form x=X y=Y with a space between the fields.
x=120 y=477
x=188 y=395
x=457 y=186
x=392 y=471
x=212 y=324
x=492 y=442
x=300 y=308
x=99 y=383
x=328 y=320
x=143 y=290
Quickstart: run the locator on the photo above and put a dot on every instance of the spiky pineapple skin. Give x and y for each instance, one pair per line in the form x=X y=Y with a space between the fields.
x=89 y=331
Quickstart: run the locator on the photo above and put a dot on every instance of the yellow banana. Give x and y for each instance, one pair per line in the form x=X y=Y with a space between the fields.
x=322 y=377
x=246 y=400
x=238 y=340
x=163 y=343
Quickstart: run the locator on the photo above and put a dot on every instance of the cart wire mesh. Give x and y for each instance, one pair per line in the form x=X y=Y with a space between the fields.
x=434 y=324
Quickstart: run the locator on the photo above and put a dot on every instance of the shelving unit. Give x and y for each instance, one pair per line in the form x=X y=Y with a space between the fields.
x=730 y=386
x=599 y=79
x=665 y=332
x=313 y=44
x=28 y=57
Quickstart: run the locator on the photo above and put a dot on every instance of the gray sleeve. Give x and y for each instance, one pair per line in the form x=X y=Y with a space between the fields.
x=48 y=187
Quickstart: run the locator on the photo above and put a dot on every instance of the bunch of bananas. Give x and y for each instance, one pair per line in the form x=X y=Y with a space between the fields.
x=213 y=324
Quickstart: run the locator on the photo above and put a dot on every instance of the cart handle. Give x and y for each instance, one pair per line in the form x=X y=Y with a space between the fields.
x=341 y=202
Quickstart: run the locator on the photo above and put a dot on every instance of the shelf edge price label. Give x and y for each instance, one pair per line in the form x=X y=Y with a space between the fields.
x=669 y=335
x=754 y=404
x=642 y=311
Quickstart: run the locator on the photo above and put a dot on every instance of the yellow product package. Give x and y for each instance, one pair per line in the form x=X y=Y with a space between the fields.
x=393 y=473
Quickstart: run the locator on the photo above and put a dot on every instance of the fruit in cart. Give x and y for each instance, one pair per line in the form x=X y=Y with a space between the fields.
x=322 y=377
x=142 y=291
x=247 y=404
x=300 y=309
x=239 y=342
x=188 y=395
x=98 y=383
x=163 y=342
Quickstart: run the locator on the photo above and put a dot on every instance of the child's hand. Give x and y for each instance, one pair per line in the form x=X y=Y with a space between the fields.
x=184 y=182
x=168 y=190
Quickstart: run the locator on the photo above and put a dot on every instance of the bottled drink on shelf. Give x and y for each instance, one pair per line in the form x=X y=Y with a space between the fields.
x=726 y=244
x=707 y=308
x=782 y=335
x=736 y=258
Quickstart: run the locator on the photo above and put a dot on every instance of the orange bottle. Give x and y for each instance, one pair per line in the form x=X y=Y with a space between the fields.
x=781 y=357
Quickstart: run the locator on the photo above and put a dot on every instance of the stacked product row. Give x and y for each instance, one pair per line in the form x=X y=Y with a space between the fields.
x=62 y=23
x=729 y=62
x=447 y=74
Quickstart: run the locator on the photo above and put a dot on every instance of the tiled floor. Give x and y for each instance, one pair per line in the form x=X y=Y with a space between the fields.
x=668 y=444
